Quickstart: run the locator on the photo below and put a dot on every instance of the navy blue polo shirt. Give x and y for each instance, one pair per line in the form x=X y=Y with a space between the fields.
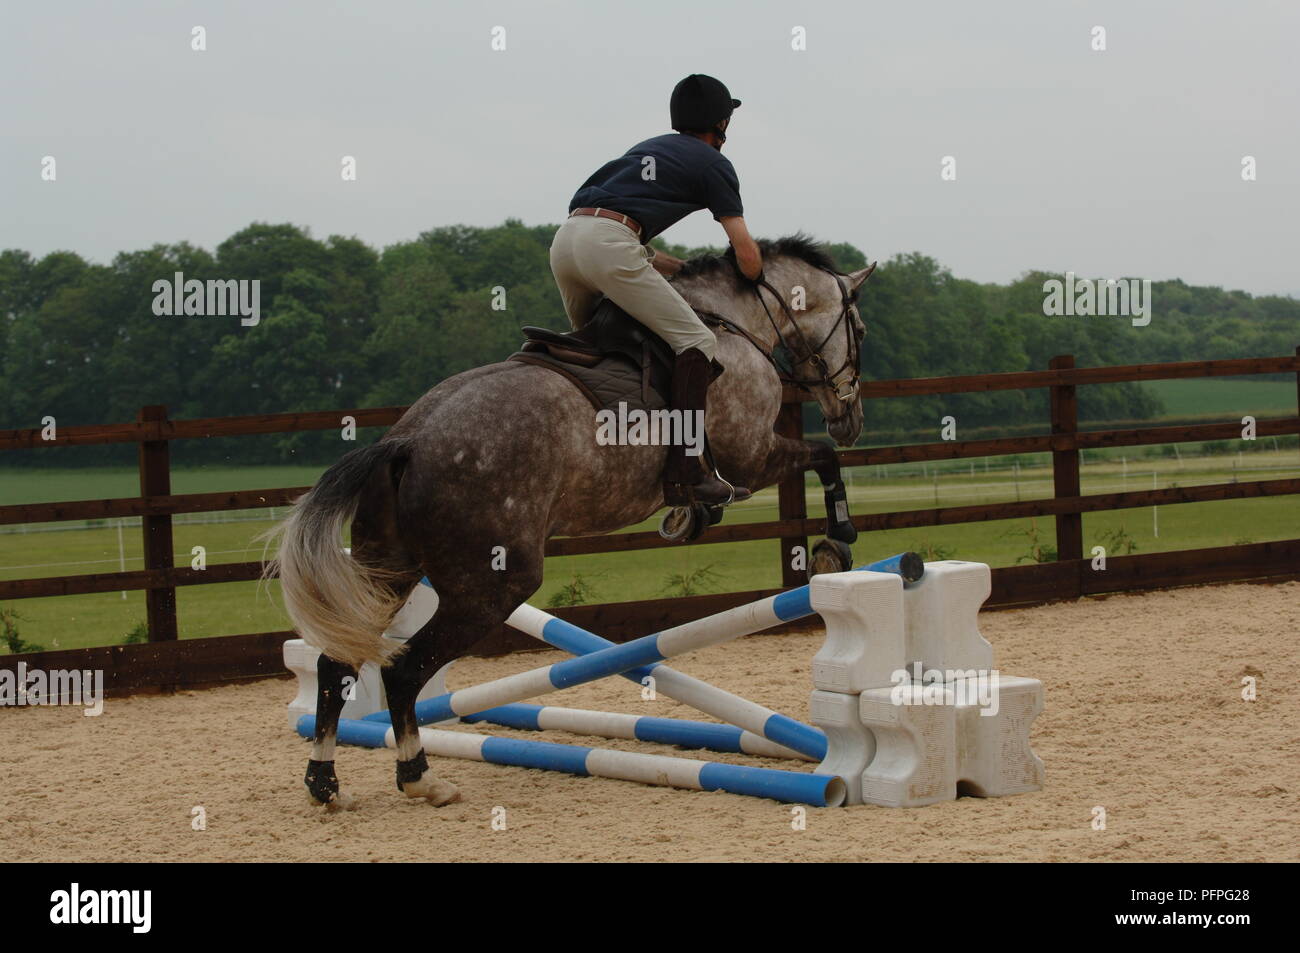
x=688 y=175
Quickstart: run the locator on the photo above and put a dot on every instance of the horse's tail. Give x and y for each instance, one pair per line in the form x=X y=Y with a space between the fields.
x=337 y=603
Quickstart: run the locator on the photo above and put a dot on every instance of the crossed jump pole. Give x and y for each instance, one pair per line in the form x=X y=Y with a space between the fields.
x=597 y=659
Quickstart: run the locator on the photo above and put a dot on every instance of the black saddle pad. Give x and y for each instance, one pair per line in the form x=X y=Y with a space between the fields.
x=612 y=358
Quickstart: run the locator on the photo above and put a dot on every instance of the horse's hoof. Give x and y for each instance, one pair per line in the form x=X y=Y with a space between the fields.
x=335 y=801
x=680 y=523
x=830 y=555
x=434 y=790
x=321 y=782
x=343 y=801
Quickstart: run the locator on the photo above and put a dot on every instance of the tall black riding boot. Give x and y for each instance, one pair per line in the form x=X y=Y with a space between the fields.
x=686 y=479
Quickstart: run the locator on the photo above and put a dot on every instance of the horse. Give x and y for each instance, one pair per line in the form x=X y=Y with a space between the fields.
x=479 y=472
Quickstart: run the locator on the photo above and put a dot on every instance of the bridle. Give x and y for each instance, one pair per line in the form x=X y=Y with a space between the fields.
x=843 y=381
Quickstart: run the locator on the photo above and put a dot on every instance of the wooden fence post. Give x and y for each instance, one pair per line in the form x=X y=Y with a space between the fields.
x=156 y=480
x=792 y=502
x=1065 y=463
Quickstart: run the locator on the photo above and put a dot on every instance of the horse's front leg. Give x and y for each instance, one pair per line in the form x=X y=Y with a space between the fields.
x=839 y=526
x=787 y=457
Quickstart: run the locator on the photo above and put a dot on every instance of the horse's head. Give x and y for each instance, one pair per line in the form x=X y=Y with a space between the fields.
x=803 y=315
x=813 y=316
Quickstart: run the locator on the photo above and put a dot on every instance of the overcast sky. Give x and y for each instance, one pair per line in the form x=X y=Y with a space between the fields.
x=1122 y=162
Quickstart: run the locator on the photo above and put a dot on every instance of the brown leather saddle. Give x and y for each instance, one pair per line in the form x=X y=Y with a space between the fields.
x=612 y=358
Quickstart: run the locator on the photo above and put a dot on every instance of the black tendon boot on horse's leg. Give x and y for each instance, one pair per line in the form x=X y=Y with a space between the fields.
x=322 y=783
x=839 y=526
x=686 y=479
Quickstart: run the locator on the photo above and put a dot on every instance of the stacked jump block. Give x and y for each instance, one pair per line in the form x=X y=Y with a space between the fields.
x=905 y=690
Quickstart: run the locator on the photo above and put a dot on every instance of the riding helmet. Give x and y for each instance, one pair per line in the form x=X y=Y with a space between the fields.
x=699 y=103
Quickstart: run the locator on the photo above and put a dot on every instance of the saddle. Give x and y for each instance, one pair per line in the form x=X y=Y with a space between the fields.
x=612 y=358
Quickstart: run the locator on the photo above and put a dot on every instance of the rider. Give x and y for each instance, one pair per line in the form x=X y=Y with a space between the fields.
x=602 y=249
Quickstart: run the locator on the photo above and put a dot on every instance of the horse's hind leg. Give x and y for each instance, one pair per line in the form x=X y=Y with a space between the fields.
x=377 y=544
x=322 y=783
x=403 y=680
x=474 y=609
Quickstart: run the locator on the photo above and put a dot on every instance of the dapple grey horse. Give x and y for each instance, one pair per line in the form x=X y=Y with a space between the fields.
x=506 y=456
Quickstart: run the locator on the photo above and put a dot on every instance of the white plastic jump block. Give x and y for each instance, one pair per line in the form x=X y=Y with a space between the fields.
x=916 y=744
x=927 y=752
x=941 y=615
x=916 y=759
x=850 y=744
x=865 y=630
x=993 y=753
x=367 y=695
x=875 y=626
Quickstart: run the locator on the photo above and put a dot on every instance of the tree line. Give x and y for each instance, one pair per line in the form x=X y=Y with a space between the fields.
x=345 y=325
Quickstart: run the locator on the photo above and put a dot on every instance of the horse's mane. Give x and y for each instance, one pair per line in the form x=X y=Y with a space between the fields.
x=797 y=245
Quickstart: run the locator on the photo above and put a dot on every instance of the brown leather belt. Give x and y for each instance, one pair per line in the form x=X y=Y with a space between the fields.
x=607 y=213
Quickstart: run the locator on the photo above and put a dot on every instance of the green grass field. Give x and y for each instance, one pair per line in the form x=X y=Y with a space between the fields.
x=1226 y=397
x=230 y=608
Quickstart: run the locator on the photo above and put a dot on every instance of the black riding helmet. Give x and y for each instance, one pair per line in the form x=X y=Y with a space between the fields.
x=699 y=104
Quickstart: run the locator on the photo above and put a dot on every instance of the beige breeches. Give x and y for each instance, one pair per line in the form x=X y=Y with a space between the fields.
x=591 y=256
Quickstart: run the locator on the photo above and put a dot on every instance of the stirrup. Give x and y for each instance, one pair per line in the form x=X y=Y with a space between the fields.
x=684 y=494
x=732 y=496
x=731 y=488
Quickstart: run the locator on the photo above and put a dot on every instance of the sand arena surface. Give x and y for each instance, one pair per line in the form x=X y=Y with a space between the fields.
x=1144 y=717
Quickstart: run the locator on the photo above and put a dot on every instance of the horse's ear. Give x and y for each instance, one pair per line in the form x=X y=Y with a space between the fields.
x=858 y=277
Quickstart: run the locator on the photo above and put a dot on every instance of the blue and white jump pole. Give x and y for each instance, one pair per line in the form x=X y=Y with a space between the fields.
x=680 y=732
x=818 y=790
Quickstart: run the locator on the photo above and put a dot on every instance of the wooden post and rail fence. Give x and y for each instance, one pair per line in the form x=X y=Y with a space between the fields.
x=166 y=661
